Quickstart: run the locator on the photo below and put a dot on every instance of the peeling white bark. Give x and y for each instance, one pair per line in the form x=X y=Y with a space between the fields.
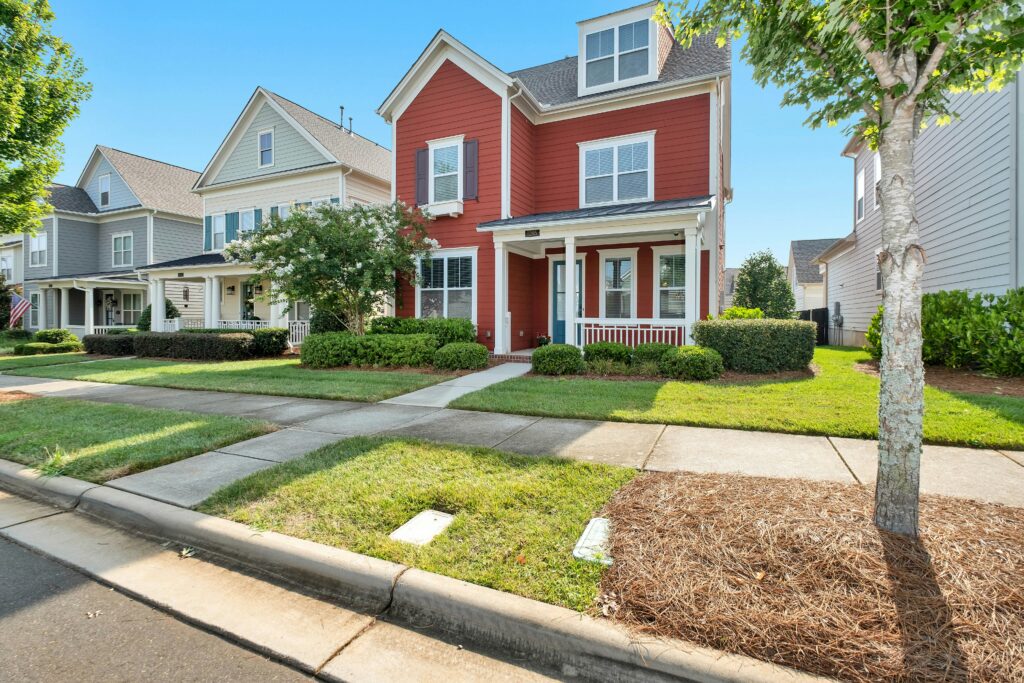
x=901 y=396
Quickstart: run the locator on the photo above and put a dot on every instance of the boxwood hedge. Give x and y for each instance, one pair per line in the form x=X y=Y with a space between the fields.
x=759 y=345
x=36 y=348
x=691 y=362
x=613 y=351
x=336 y=349
x=193 y=346
x=446 y=330
x=110 y=344
x=558 y=359
x=461 y=356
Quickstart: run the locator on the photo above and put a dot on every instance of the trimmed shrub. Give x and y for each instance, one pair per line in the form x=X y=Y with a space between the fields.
x=874 y=335
x=145 y=322
x=650 y=353
x=613 y=351
x=55 y=336
x=109 y=344
x=335 y=349
x=233 y=346
x=692 y=363
x=461 y=356
x=447 y=330
x=759 y=346
x=267 y=341
x=122 y=330
x=741 y=313
x=36 y=348
x=558 y=359
x=321 y=321
x=17 y=333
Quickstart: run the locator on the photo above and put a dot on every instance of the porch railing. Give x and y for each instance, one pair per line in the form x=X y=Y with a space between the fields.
x=297 y=331
x=106 y=329
x=170 y=324
x=192 y=323
x=243 y=324
x=631 y=331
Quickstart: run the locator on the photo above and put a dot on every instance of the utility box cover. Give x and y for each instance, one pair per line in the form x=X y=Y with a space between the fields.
x=421 y=529
x=593 y=544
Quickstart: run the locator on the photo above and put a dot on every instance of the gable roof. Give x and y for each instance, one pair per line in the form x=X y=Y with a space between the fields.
x=804 y=253
x=156 y=184
x=70 y=198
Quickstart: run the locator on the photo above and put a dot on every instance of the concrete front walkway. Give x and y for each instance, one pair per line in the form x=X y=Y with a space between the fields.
x=440 y=395
x=981 y=474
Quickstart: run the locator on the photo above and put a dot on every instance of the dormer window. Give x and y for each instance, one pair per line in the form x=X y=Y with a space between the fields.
x=266 y=148
x=105 y=189
x=617 y=51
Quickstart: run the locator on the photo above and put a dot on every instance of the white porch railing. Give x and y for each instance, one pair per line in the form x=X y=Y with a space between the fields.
x=192 y=323
x=631 y=331
x=297 y=331
x=170 y=324
x=105 y=329
x=242 y=324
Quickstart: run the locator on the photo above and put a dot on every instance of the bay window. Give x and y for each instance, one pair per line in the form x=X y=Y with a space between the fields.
x=446 y=286
x=617 y=170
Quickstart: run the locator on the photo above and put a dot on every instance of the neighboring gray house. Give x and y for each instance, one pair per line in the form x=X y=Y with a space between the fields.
x=804 y=275
x=125 y=212
x=730 y=287
x=970 y=205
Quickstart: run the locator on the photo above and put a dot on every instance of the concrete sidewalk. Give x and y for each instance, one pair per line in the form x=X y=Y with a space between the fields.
x=980 y=474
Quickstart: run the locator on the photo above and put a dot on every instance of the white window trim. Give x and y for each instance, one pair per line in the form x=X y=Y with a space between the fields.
x=449 y=253
x=658 y=252
x=113 y=249
x=287 y=206
x=213 y=231
x=99 y=189
x=259 y=150
x=33 y=249
x=252 y=212
x=614 y=143
x=7 y=264
x=33 y=309
x=453 y=205
x=319 y=200
x=877 y=187
x=859 y=200
x=125 y=309
x=615 y=22
x=580 y=286
x=606 y=254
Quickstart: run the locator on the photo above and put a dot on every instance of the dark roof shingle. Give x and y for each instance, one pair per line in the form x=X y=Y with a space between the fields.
x=804 y=253
x=215 y=259
x=70 y=198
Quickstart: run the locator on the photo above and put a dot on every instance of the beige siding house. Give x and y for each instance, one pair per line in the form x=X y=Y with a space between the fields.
x=805 y=278
x=278 y=157
x=970 y=204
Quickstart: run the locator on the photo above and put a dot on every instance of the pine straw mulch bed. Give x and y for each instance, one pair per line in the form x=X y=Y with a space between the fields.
x=960 y=379
x=794 y=573
x=12 y=396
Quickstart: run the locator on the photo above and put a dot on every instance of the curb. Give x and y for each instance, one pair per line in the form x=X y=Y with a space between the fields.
x=581 y=645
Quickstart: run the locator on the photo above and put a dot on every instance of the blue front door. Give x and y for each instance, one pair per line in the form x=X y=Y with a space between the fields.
x=558 y=299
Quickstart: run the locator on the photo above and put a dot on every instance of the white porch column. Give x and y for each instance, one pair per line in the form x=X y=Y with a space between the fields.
x=215 y=300
x=570 y=291
x=42 y=309
x=208 y=303
x=158 y=310
x=90 y=309
x=277 y=315
x=692 y=250
x=500 y=297
x=65 y=306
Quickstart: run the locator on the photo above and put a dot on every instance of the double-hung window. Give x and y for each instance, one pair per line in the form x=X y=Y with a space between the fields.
x=618 y=283
x=669 y=282
x=616 y=55
x=7 y=268
x=33 y=311
x=37 y=250
x=218 y=229
x=131 y=307
x=859 y=208
x=283 y=210
x=122 y=250
x=877 y=194
x=105 y=189
x=246 y=221
x=445 y=170
x=446 y=286
x=265 y=140
x=617 y=170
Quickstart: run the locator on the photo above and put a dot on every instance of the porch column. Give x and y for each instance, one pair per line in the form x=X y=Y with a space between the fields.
x=65 y=306
x=90 y=309
x=692 y=281
x=42 y=309
x=570 y=291
x=277 y=316
x=208 y=303
x=500 y=297
x=215 y=300
x=158 y=309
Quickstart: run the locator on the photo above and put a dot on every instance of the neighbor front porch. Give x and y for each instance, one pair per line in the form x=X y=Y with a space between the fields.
x=87 y=304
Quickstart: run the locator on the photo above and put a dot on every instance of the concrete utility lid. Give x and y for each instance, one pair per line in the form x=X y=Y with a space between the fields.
x=593 y=544
x=421 y=529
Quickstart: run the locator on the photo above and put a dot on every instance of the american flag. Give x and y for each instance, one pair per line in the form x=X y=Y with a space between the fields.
x=19 y=305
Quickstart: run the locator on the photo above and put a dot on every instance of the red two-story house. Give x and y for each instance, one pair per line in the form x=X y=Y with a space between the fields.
x=616 y=160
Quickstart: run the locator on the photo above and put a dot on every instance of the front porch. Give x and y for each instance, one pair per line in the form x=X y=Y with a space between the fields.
x=88 y=304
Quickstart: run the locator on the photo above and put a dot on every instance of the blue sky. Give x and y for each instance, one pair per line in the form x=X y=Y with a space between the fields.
x=170 y=78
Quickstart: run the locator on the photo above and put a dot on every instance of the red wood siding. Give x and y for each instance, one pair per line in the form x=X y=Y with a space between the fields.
x=454 y=103
x=681 y=144
x=520 y=304
x=522 y=181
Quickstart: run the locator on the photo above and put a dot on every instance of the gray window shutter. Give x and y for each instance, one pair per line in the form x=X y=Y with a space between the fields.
x=231 y=227
x=422 y=169
x=470 y=173
x=335 y=200
x=208 y=234
x=273 y=212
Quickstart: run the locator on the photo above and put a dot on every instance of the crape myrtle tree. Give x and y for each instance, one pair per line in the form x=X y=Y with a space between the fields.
x=889 y=66
x=41 y=88
x=762 y=283
x=343 y=261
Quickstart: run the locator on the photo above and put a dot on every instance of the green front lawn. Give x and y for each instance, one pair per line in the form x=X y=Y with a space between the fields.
x=516 y=521
x=839 y=401
x=18 y=362
x=276 y=377
x=101 y=441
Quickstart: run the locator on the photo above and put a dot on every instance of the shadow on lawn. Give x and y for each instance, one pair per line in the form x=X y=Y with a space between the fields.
x=1007 y=407
x=925 y=619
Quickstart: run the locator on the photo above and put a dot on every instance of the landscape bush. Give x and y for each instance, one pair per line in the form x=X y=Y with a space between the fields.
x=741 y=313
x=606 y=366
x=145 y=323
x=558 y=359
x=612 y=351
x=37 y=348
x=336 y=349
x=110 y=344
x=267 y=341
x=461 y=356
x=193 y=346
x=55 y=336
x=692 y=363
x=321 y=321
x=16 y=334
x=651 y=352
x=447 y=330
x=759 y=346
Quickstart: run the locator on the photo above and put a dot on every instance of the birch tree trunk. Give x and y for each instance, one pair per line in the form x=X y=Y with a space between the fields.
x=901 y=397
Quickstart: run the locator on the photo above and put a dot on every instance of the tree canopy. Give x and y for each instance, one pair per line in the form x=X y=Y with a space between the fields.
x=762 y=284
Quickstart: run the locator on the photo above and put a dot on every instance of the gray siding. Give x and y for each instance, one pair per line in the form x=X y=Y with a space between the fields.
x=176 y=239
x=965 y=203
x=291 y=150
x=104 y=245
x=76 y=242
x=39 y=271
x=120 y=194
